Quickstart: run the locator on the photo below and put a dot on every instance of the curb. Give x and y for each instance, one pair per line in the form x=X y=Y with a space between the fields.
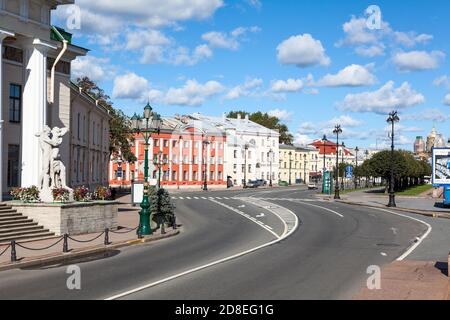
x=433 y=214
x=67 y=257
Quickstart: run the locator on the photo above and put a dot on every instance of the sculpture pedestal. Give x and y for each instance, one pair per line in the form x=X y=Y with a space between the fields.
x=46 y=195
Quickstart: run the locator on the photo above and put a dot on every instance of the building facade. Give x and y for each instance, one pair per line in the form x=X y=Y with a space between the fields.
x=252 y=151
x=180 y=156
x=298 y=164
x=35 y=88
x=327 y=155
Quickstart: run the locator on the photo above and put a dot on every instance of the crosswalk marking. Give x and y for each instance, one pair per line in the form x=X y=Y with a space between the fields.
x=239 y=198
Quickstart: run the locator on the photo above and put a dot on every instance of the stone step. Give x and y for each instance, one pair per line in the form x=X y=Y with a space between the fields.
x=20 y=229
x=19 y=217
x=24 y=232
x=10 y=214
x=14 y=221
x=14 y=224
x=6 y=208
x=33 y=236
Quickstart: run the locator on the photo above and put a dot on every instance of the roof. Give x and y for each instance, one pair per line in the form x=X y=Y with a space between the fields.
x=239 y=125
x=328 y=147
x=76 y=88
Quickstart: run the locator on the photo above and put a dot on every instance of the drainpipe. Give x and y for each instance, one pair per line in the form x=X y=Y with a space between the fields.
x=52 y=78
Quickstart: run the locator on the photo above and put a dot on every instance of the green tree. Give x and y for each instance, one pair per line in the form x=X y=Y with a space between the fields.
x=267 y=121
x=120 y=137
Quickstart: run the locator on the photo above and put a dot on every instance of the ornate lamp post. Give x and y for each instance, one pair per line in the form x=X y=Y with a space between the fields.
x=159 y=164
x=290 y=167
x=152 y=125
x=270 y=161
x=324 y=140
x=355 y=177
x=337 y=130
x=304 y=168
x=342 y=161
x=205 y=164
x=393 y=118
x=245 y=165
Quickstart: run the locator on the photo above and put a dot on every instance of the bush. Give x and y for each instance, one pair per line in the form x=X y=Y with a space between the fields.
x=161 y=206
x=82 y=194
x=60 y=194
x=28 y=195
x=102 y=193
x=16 y=193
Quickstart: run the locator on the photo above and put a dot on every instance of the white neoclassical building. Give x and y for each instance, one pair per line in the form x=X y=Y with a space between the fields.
x=251 y=150
x=36 y=91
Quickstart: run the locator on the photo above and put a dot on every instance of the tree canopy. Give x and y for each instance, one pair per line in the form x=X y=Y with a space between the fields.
x=120 y=136
x=267 y=121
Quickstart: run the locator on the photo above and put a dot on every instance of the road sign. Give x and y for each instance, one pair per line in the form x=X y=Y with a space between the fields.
x=349 y=172
x=440 y=174
x=328 y=183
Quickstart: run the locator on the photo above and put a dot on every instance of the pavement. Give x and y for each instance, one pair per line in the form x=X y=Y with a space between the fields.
x=128 y=219
x=233 y=248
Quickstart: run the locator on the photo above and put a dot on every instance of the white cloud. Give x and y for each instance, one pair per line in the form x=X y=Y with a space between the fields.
x=152 y=55
x=442 y=81
x=290 y=85
x=352 y=76
x=229 y=41
x=303 y=51
x=410 y=39
x=302 y=139
x=430 y=114
x=254 y=3
x=183 y=56
x=383 y=100
x=317 y=129
x=371 y=51
x=244 y=90
x=192 y=93
x=138 y=39
x=96 y=69
x=447 y=100
x=345 y=121
x=130 y=86
x=417 y=60
x=283 y=115
x=109 y=15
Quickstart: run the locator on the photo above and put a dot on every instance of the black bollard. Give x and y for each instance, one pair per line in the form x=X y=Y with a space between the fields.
x=13 y=251
x=66 y=243
x=107 y=237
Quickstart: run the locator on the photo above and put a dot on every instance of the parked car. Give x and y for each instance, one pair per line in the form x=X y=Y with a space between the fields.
x=312 y=186
x=282 y=183
x=252 y=184
x=262 y=182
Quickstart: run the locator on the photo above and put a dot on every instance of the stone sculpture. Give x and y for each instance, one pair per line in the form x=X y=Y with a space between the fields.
x=53 y=171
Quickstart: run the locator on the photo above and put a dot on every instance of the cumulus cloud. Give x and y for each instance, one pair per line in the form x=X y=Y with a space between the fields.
x=183 y=56
x=130 y=86
x=383 y=100
x=417 y=60
x=351 y=76
x=429 y=114
x=192 y=93
x=281 y=114
x=138 y=39
x=113 y=15
x=230 y=41
x=442 y=81
x=289 y=85
x=371 y=43
x=97 y=69
x=447 y=100
x=248 y=88
x=302 y=51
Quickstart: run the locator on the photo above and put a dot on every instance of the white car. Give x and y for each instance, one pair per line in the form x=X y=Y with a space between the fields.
x=312 y=186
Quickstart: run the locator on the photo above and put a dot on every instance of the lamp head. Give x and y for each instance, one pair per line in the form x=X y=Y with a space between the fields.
x=147 y=111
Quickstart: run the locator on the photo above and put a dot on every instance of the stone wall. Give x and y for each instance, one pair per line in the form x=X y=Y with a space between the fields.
x=72 y=218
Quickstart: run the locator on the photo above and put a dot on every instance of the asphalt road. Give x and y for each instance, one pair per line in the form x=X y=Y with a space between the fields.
x=325 y=258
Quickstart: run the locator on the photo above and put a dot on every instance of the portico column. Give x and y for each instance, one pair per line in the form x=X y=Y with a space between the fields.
x=34 y=115
x=3 y=35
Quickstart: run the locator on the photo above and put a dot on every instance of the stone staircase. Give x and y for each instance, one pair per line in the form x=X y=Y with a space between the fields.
x=16 y=226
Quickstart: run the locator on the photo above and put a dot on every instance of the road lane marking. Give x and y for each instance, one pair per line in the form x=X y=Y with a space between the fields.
x=226 y=259
x=314 y=205
x=419 y=241
x=261 y=215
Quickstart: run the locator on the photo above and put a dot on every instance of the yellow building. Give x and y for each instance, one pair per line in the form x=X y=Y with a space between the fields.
x=298 y=164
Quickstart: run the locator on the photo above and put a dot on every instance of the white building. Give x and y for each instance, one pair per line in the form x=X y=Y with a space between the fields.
x=252 y=151
x=36 y=91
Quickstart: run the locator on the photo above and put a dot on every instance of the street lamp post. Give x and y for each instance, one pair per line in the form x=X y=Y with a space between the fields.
x=152 y=124
x=325 y=140
x=245 y=165
x=304 y=169
x=337 y=130
x=342 y=161
x=205 y=164
x=393 y=118
x=270 y=161
x=356 y=168
x=159 y=164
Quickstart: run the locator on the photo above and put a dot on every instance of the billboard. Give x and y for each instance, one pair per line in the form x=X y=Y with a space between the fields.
x=440 y=175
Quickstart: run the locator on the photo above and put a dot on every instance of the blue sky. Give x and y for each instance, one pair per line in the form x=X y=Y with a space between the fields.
x=313 y=63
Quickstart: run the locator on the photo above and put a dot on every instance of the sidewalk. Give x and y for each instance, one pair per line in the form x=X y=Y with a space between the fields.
x=421 y=205
x=128 y=220
x=410 y=280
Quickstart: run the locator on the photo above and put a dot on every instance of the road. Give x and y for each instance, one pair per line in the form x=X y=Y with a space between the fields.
x=325 y=257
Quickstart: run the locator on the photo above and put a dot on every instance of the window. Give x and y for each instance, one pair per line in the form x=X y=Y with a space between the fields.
x=13 y=165
x=212 y=160
x=156 y=142
x=185 y=160
x=220 y=176
x=196 y=144
x=249 y=154
x=211 y=176
x=185 y=176
x=174 y=159
x=78 y=125
x=243 y=168
x=195 y=175
x=174 y=175
x=235 y=154
x=249 y=168
x=174 y=144
x=12 y=54
x=195 y=159
x=220 y=160
x=166 y=143
x=186 y=144
x=15 y=102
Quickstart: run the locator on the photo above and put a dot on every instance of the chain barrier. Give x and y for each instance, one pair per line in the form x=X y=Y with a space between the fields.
x=86 y=241
x=39 y=249
x=124 y=232
x=6 y=249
